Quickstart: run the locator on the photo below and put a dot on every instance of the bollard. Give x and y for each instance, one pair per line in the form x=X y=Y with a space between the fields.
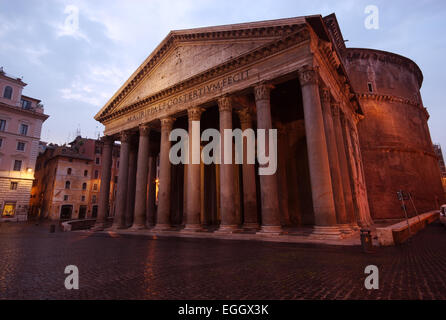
x=52 y=228
x=366 y=241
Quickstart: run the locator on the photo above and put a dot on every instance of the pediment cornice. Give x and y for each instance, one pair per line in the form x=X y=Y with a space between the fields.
x=290 y=37
x=276 y=31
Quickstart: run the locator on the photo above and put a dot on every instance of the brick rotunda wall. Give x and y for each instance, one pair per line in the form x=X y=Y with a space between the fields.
x=395 y=141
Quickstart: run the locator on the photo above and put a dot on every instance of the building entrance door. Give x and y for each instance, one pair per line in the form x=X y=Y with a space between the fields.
x=94 y=212
x=66 y=212
x=82 y=212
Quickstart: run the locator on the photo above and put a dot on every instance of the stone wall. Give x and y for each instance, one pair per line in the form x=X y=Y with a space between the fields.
x=396 y=146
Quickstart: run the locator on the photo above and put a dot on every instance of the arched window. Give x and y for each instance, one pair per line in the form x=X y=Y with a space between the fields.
x=67 y=185
x=84 y=186
x=7 y=93
x=69 y=171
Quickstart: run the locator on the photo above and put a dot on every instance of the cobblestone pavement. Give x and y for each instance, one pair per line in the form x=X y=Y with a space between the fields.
x=32 y=264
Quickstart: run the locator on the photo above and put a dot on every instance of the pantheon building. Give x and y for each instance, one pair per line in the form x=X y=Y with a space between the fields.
x=352 y=132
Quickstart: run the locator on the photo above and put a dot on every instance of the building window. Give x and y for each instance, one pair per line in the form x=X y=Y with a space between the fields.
x=67 y=185
x=7 y=93
x=84 y=186
x=96 y=174
x=20 y=146
x=370 y=86
x=95 y=187
x=69 y=171
x=83 y=198
x=17 y=165
x=85 y=173
x=26 y=105
x=93 y=199
x=1 y=142
x=14 y=185
x=98 y=160
x=9 y=209
x=2 y=125
x=23 y=129
x=65 y=198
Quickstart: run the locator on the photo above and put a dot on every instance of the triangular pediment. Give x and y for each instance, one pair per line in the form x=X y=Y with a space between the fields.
x=186 y=53
x=185 y=61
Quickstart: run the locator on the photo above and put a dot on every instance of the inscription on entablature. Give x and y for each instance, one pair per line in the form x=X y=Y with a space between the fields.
x=192 y=95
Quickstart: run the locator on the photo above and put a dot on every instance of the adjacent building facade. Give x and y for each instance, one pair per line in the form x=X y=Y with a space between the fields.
x=439 y=153
x=352 y=131
x=68 y=179
x=21 y=119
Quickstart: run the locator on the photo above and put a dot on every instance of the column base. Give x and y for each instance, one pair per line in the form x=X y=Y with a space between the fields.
x=193 y=228
x=138 y=228
x=115 y=228
x=271 y=230
x=161 y=227
x=228 y=229
x=251 y=226
x=345 y=228
x=98 y=227
x=329 y=233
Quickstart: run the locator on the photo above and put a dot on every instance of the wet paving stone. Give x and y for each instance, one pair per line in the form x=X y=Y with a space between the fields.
x=32 y=264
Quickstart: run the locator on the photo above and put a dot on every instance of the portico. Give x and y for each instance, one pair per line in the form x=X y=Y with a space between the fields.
x=281 y=75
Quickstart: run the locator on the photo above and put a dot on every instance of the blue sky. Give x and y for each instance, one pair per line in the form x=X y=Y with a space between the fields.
x=75 y=73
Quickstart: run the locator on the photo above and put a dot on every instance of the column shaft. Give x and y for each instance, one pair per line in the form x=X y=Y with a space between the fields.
x=141 y=178
x=104 y=192
x=268 y=183
x=151 y=198
x=131 y=189
x=193 y=191
x=163 y=218
x=338 y=191
x=321 y=186
x=228 y=218
x=343 y=163
x=121 y=193
x=249 y=178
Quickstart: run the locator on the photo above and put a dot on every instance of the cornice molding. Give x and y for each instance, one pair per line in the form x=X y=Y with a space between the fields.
x=386 y=57
x=389 y=98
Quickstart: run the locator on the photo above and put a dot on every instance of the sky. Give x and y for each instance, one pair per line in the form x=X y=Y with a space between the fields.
x=75 y=65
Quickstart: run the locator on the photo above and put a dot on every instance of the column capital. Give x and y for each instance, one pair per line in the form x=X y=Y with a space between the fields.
x=194 y=113
x=335 y=109
x=262 y=91
x=225 y=103
x=167 y=123
x=144 y=129
x=325 y=94
x=125 y=136
x=245 y=116
x=308 y=75
x=108 y=140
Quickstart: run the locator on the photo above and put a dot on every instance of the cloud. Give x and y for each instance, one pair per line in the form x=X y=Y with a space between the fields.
x=95 y=85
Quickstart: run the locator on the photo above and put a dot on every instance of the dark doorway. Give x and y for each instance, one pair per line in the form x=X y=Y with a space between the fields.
x=82 y=212
x=66 y=212
x=94 y=212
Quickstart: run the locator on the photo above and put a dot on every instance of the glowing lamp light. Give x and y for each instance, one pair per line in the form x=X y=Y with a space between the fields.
x=29 y=170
